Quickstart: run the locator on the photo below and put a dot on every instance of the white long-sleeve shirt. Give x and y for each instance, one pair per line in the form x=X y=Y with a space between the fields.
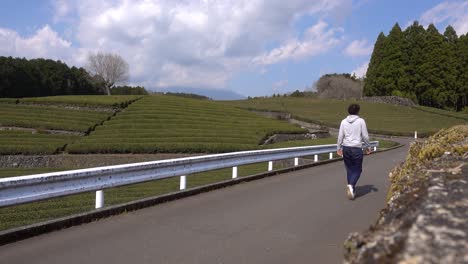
x=353 y=131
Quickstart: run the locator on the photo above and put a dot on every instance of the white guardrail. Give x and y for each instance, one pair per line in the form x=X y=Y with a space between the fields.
x=24 y=189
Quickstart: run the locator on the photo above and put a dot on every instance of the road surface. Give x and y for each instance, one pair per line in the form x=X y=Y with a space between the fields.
x=298 y=217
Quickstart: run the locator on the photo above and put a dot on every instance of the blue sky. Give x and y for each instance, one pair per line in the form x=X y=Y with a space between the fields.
x=252 y=47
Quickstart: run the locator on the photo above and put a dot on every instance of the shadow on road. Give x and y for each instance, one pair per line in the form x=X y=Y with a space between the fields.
x=365 y=189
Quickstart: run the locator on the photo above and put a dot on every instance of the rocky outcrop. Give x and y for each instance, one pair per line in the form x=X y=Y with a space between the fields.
x=389 y=100
x=425 y=220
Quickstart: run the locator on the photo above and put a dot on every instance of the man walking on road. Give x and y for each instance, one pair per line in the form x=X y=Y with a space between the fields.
x=353 y=132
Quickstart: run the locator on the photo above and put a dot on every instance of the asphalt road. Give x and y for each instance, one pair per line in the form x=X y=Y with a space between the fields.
x=298 y=217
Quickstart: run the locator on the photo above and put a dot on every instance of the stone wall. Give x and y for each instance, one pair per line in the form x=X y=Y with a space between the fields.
x=80 y=161
x=291 y=137
x=425 y=220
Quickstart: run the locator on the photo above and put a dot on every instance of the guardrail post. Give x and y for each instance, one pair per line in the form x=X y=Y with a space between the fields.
x=315 y=158
x=183 y=182
x=270 y=165
x=415 y=134
x=99 y=199
x=234 y=172
x=331 y=155
x=296 y=161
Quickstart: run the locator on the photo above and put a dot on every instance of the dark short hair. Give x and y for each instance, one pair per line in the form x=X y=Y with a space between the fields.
x=353 y=109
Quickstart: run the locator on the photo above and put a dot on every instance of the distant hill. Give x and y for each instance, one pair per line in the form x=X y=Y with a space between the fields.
x=211 y=93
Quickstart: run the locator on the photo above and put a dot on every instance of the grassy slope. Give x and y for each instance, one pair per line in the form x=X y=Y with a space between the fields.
x=380 y=118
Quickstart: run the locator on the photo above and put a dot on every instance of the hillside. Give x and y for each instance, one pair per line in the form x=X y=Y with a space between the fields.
x=381 y=118
x=164 y=124
x=46 y=125
x=168 y=124
x=129 y=124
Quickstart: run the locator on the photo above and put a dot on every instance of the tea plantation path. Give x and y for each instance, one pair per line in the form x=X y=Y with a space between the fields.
x=298 y=217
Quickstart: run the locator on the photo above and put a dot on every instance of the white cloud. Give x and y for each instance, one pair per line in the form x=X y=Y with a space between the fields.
x=358 y=48
x=279 y=85
x=8 y=41
x=62 y=9
x=199 y=43
x=318 y=39
x=361 y=70
x=453 y=13
x=45 y=43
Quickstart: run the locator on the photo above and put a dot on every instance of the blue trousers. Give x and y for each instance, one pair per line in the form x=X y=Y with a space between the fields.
x=353 y=162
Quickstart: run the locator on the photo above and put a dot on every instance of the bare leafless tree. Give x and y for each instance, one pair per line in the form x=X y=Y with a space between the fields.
x=111 y=68
x=339 y=86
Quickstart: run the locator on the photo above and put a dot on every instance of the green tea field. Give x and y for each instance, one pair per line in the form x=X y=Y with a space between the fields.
x=46 y=125
x=173 y=124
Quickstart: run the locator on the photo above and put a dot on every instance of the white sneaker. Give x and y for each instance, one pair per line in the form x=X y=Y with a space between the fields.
x=350 y=192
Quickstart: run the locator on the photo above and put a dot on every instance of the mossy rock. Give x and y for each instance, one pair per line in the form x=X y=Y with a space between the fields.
x=453 y=140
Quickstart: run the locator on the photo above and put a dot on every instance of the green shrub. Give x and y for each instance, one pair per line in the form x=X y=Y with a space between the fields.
x=119 y=101
x=21 y=142
x=42 y=117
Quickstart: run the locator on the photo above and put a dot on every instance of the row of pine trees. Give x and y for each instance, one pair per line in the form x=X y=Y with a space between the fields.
x=421 y=64
x=43 y=77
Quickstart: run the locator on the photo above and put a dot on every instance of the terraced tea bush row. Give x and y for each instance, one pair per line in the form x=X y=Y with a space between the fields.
x=8 y=100
x=117 y=101
x=21 y=142
x=157 y=124
x=381 y=118
x=49 y=117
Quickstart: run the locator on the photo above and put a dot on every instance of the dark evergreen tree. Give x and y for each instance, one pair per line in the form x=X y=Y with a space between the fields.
x=392 y=68
x=450 y=65
x=125 y=90
x=434 y=91
x=373 y=74
x=462 y=71
x=423 y=65
x=414 y=43
x=386 y=69
x=42 y=77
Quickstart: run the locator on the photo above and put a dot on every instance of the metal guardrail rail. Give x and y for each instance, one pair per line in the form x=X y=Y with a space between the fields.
x=25 y=189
